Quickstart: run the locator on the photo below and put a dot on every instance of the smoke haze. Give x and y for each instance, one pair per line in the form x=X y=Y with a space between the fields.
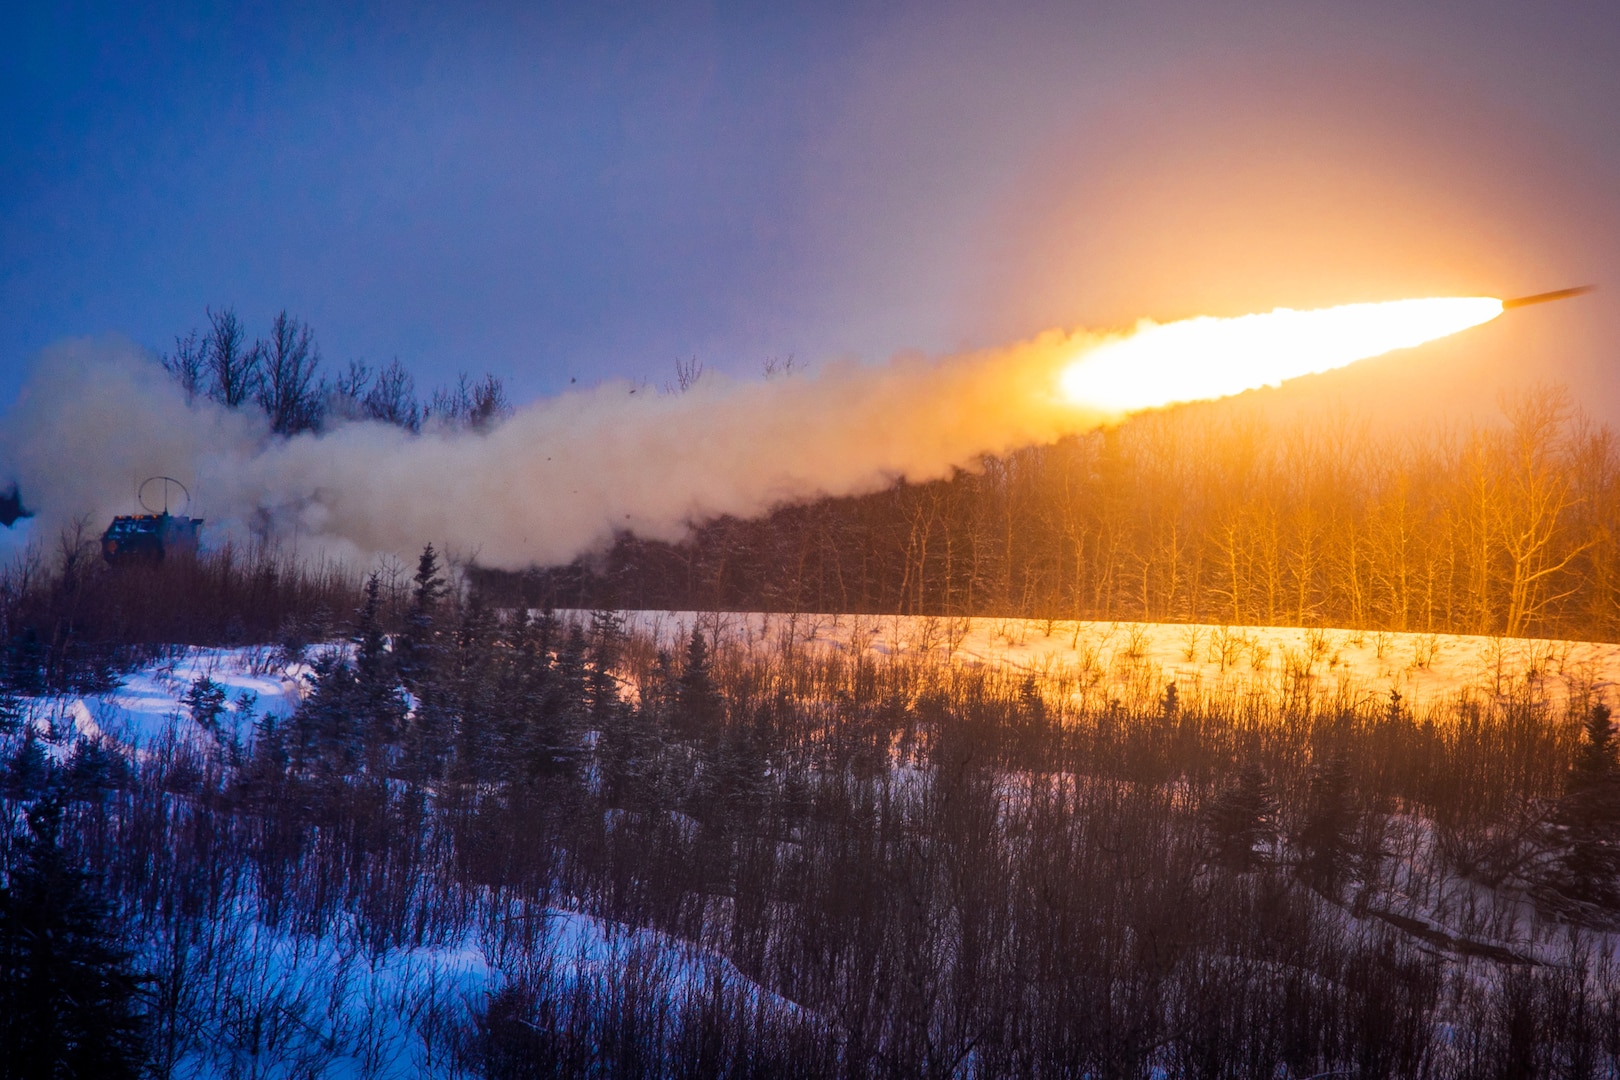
x=555 y=481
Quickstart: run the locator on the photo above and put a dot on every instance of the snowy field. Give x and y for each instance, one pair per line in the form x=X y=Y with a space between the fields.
x=1094 y=660
x=1108 y=659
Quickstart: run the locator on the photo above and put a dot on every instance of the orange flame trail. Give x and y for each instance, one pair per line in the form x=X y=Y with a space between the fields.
x=1207 y=357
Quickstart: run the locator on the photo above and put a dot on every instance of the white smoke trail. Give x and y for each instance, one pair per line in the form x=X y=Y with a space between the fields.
x=556 y=480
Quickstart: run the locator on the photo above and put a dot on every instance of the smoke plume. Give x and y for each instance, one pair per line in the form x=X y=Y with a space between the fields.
x=556 y=480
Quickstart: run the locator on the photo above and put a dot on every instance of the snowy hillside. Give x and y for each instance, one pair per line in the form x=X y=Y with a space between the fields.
x=1091 y=660
x=677 y=807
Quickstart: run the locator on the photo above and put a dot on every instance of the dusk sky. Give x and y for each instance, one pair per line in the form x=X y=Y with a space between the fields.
x=589 y=191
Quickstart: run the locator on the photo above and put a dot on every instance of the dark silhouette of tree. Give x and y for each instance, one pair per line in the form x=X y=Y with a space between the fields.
x=420 y=662
x=68 y=999
x=1586 y=822
x=601 y=687
x=572 y=672
x=288 y=390
x=697 y=700
x=95 y=766
x=24 y=663
x=474 y=690
x=1242 y=818
x=204 y=700
x=382 y=709
x=1327 y=832
x=417 y=648
x=233 y=366
x=30 y=772
x=188 y=364
x=328 y=724
x=468 y=405
x=392 y=398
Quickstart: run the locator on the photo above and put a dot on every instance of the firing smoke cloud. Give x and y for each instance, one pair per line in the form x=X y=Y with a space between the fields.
x=555 y=481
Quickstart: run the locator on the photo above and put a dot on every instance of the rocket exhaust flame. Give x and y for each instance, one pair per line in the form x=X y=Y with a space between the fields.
x=1202 y=358
x=563 y=475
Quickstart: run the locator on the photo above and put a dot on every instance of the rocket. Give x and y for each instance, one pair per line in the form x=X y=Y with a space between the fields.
x=1546 y=297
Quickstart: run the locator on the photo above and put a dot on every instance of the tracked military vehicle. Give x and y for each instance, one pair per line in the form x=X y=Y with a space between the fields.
x=155 y=535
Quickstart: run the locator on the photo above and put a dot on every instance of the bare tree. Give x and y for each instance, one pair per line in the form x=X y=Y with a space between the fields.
x=287 y=390
x=489 y=404
x=467 y=405
x=1540 y=502
x=449 y=406
x=188 y=363
x=687 y=374
x=233 y=366
x=392 y=398
x=345 y=395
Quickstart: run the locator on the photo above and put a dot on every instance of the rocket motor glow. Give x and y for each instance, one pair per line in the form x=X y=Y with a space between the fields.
x=1202 y=358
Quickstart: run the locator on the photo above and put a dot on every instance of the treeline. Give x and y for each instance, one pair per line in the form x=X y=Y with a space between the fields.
x=892 y=866
x=1201 y=514
x=69 y=622
x=280 y=374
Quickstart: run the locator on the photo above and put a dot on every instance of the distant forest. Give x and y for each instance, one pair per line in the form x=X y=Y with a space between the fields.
x=1202 y=514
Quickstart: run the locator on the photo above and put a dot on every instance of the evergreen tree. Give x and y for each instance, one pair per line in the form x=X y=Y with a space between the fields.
x=327 y=724
x=1586 y=822
x=96 y=766
x=570 y=689
x=418 y=645
x=429 y=733
x=535 y=740
x=1242 y=818
x=601 y=688
x=204 y=700
x=658 y=694
x=24 y=667
x=473 y=686
x=382 y=709
x=697 y=700
x=1326 y=835
x=68 y=1000
x=30 y=773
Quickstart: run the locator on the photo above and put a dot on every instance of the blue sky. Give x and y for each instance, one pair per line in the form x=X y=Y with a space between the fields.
x=594 y=190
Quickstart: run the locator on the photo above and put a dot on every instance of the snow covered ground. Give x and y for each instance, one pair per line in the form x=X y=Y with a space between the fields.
x=1110 y=658
x=1083 y=659
x=339 y=1009
x=148 y=702
x=330 y=1005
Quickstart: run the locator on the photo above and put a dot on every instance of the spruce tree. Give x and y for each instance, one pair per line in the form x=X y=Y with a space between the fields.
x=327 y=726
x=474 y=690
x=418 y=645
x=1327 y=832
x=697 y=701
x=428 y=737
x=30 y=772
x=24 y=668
x=1586 y=821
x=601 y=688
x=382 y=710
x=204 y=700
x=68 y=999
x=570 y=688
x=536 y=739
x=1242 y=818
